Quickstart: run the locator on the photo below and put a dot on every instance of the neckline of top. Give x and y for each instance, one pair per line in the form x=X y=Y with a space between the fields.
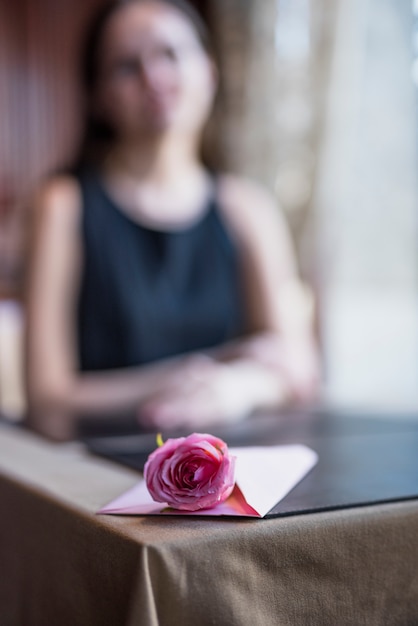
x=158 y=227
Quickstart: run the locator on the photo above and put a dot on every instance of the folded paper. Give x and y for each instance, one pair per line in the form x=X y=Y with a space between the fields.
x=264 y=476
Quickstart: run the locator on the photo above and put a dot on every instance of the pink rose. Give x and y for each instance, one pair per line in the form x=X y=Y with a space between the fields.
x=190 y=473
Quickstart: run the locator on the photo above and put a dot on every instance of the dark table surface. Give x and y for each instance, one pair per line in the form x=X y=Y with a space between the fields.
x=363 y=458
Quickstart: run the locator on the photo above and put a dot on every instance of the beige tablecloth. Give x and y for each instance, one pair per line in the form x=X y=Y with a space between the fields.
x=63 y=565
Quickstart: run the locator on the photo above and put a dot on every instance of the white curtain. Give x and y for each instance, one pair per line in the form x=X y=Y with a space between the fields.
x=365 y=209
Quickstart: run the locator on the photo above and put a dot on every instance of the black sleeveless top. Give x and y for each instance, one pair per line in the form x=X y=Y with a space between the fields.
x=148 y=294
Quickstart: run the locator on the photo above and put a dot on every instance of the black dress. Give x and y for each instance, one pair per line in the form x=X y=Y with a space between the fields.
x=147 y=294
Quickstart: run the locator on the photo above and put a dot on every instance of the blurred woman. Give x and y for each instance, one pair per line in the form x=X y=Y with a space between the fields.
x=156 y=286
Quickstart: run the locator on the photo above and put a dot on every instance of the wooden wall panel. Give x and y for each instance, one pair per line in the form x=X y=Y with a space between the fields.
x=39 y=110
x=12 y=138
x=54 y=31
x=12 y=82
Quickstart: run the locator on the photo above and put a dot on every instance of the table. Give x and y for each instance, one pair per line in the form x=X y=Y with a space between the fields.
x=63 y=565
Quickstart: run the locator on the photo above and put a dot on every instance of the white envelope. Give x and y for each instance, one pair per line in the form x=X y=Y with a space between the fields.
x=264 y=476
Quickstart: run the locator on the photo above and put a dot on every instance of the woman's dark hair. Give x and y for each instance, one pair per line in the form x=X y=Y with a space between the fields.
x=97 y=134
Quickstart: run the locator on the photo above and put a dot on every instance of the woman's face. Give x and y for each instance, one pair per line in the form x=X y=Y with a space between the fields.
x=154 y=75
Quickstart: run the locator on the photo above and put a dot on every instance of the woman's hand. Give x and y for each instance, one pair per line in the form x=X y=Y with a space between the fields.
x=204 y=391
x=294 y=358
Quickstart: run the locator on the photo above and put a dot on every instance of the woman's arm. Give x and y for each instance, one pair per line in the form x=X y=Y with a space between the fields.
x=57 y=392
x=280 y=308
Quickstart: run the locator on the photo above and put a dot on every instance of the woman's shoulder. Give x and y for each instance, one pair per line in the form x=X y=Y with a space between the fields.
x=56 y=214
x=62 y=187
x=243 y=191
x=248 y=207
x=58 y=197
